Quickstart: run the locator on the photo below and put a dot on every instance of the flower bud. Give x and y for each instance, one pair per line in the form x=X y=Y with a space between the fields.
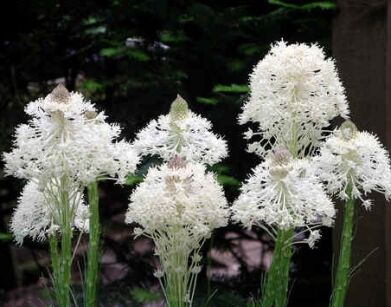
x=348 y=130
x=179 y=109
x=60 y=94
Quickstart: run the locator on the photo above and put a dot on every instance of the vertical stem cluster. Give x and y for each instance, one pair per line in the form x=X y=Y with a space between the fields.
x=93 y=246
x=179 y=256
x=61 y=250
x=342 y=274
x=276 y=283
x=177 y=283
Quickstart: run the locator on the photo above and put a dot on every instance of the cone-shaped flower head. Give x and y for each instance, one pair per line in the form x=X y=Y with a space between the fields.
x=67 y=136
x=357 y=160
x=178 y=195
x=34 y=216
x=181 y=133
x=294 y=93
x=283 y=193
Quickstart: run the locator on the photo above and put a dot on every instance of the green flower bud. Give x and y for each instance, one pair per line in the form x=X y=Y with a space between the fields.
x=179 y=109
x=348 y=130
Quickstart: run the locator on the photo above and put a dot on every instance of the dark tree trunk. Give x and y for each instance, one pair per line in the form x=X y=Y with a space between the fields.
x=362 y=48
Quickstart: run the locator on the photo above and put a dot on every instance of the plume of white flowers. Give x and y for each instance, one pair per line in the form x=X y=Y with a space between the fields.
x=66 y=136
x=181 y=133
x=356 y=159
x=294 y=93
x=178 y=194
x=283 y=193
x=35 y=218
x=178 y=205
x=65 y=146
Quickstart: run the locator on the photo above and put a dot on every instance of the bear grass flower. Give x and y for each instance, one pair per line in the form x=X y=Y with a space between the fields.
x=283 y=193
x=178 y=205
x=294 y=94
x=352 y=164
x=65 y=147
x=67 y=135
x=350 y=159
x=183 y=133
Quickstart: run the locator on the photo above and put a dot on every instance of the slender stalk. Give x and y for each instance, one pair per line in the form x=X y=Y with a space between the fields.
x=66 y=265
x=61 y=250
x=275 y=286
x=180 y=260
x=177 y=284
x=342 y=274
x=93 y=246
x=54 y=256
x=61 y=257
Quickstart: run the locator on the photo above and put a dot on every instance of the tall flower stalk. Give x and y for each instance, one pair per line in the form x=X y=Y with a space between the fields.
x=342 y=273
x=65 y=147
x=93 y=246
x=179 y=204
x=351 y=164
x=281 y=195
x=294 y=94
x=276 y=285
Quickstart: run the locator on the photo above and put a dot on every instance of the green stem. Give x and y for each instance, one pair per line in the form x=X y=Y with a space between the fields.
x=54 y=256
x=342 y=274
x=61 y=249
x=177 y=278
x=66 y=265
x=93 y=246
x=276 y=283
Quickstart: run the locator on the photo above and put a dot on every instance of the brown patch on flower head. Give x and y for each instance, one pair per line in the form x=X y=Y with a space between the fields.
x=176 y=162
x=281 y=155
x=60 y=94
x=90 y=114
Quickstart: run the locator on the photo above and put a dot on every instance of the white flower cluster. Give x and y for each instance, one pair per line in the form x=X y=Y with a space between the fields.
x=65 y=146
x=34 y=216
x=181 y=133
x=178 y=205
x=66 y=136
x=283 y=193
x=355 y=160
x=294 y=93
x=176 y=196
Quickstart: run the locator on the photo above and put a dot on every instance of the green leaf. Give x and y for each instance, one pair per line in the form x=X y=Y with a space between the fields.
x=96 y=30
x=170 y=37
x=5 y=237
x=138 y=55
x=228 y=180
x=220 y=168
x=133 y=179
x=205 y=100
x=111 y=52
x=233 y=88
x=324 y=5
x=144 y=295
x=92 y=86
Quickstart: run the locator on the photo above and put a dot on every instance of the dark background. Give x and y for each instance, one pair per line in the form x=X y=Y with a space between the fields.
x=131 y=58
